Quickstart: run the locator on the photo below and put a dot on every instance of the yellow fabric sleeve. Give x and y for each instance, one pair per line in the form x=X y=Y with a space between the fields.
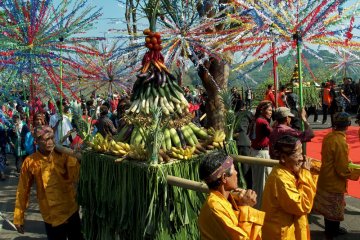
x=22 y=194
x=341 y=160
x=233 y=231
x=297 y=201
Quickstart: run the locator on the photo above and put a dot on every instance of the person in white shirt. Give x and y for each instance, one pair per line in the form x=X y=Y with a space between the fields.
x=61 y=125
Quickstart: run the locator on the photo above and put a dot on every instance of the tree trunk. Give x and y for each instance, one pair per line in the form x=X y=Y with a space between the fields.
x=214 y=76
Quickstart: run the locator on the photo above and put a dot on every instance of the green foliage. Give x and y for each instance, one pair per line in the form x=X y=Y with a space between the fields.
x=285 y=69
x=311 y=95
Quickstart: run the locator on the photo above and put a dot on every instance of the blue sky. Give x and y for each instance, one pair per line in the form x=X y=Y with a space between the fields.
x=112 y=9
x=113 y=15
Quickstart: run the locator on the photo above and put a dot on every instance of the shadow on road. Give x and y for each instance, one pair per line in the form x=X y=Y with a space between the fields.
x=317 y=220
x=28 y=238
x=348 y=212
x=319 y=235
x=31 y=226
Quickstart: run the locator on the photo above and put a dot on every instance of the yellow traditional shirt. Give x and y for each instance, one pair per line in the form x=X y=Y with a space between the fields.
x=287 y=200
x=55 y=177
x=334 y=170
x=224 y=219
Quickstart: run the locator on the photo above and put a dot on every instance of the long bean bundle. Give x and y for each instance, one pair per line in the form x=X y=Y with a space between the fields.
x=132 y=200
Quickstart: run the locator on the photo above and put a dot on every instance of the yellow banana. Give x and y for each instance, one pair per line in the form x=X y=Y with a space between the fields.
x=216 y=144
x=122 y=152
x=124 y=146
x=127 y=147
x=118 y=147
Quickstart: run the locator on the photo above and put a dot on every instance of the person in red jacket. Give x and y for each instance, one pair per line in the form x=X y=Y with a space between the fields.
x=326 y=101
x=269 y=94
x=282 y=97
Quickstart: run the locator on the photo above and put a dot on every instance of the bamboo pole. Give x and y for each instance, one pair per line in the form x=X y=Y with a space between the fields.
x=275 y=73
x=255 y=160
x=61 y=39
x=187 y=184
x=68 y=151
x=201 y=187
x=298 y=38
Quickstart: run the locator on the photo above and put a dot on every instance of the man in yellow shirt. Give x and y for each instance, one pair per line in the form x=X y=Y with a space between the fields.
x=334 y=173
x=289 y=193
x=55 y=175
x=227 y=212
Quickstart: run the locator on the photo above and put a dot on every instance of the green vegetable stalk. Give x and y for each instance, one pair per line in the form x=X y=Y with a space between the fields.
x=154 y=135
x=231 y=120
x=353 y=165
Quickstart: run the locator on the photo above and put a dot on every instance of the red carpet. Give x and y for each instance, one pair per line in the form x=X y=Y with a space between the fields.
x=313 y=149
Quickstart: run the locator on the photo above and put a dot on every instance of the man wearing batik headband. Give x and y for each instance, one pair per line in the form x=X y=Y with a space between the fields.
x=227 y=212
x=55 y=175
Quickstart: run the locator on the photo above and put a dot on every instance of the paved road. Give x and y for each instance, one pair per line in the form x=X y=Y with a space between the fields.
x=34 y=228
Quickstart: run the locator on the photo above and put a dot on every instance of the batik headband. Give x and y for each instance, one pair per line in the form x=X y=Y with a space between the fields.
x=42 y=130
x=221 y=170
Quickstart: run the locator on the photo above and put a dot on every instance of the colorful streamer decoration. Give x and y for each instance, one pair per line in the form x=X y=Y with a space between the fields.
x=318 y=23
x=189 y=38
x=31 y=44
x=344 y=63
x=107 y=72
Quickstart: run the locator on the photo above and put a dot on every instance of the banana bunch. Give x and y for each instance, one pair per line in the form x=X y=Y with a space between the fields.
x=181 y=153
x=100 y=144
x=119 y=148
x=163 y=157
x=200 y=148
x=137 y=152
x=218 y=138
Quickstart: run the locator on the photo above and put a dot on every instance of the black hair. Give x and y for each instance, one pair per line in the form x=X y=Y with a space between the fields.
x=104 y=110
x=58 y=103
x=261 y=107
x=106 y=103
x=209 y=164
x=281 y=120
x=285 y=144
